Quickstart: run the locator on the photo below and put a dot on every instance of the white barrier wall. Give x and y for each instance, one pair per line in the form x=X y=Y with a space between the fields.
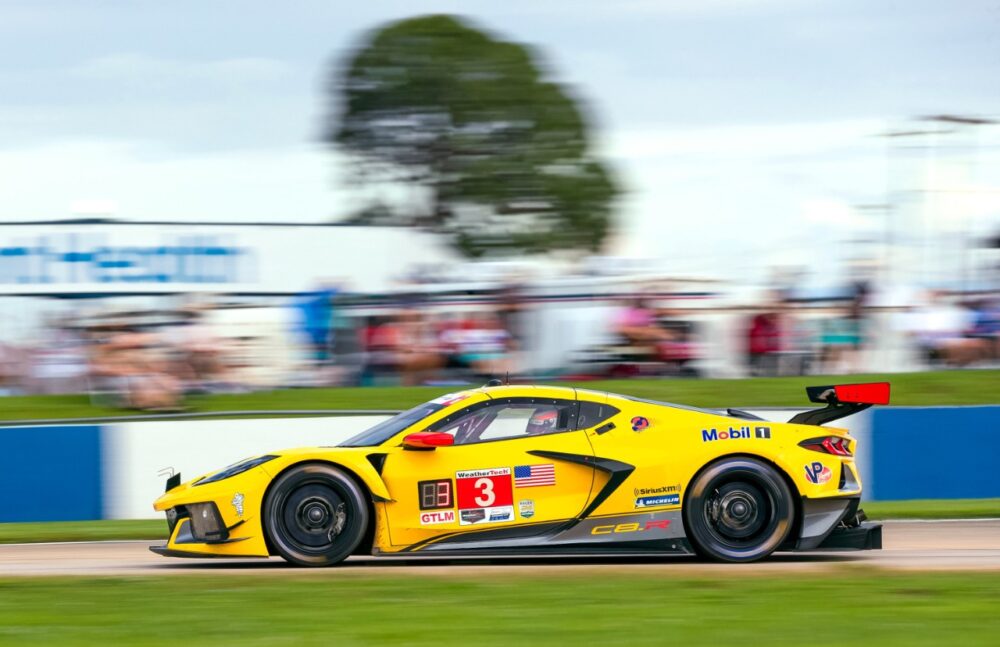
x=135 y=453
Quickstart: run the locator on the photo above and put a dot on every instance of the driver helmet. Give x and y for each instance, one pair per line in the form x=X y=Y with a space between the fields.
x=543 y=421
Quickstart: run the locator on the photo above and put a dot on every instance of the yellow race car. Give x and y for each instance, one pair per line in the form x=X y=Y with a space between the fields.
x=503 y=470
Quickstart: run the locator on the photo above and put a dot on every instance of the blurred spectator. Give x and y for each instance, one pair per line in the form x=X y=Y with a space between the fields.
x=316 y=312
x=986 y=328
x=636 y=324
x=59 y=364
x=128 y=367
x=940 y=328
x=764 y=343
x=418 y=352
x=381 y=340
x=198 y=353
x=11 y=369
x=479 y=343
x=679 y=349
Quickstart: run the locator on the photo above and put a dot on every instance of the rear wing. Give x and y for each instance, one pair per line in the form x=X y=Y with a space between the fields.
x=841 y=400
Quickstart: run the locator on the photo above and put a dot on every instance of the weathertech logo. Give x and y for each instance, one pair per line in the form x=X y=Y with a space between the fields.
x=741 y=433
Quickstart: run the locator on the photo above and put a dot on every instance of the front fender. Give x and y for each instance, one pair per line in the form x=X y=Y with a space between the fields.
x=352 y=459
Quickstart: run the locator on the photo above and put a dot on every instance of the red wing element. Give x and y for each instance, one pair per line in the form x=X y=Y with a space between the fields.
x=871 y=393
x=841 y=400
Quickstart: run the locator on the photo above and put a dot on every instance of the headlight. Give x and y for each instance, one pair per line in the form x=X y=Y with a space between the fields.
x=236 y=468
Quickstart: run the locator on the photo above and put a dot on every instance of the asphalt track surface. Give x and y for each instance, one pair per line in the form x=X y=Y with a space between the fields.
x=908 y=545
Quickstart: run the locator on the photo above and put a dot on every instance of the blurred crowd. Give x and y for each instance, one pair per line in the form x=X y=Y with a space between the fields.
x=122 y=362
x=146 y=362
x=940 y=330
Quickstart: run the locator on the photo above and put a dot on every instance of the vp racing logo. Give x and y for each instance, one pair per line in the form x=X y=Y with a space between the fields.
x=818 y=473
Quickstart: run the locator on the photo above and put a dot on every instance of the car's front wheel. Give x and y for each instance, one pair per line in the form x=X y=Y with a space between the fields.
x=315 y=515
x=738 y=510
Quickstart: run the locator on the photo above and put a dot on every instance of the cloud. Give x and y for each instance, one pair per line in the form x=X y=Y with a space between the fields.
x=131 y=68
x=760 y=141
x=294 y=183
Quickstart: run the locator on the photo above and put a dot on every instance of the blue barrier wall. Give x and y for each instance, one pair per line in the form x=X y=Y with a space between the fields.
x=54 y=473
x=50 y=473
x=935 y=453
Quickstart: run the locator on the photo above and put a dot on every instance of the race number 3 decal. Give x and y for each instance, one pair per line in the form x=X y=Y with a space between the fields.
x=488 y=492
x=487 y=496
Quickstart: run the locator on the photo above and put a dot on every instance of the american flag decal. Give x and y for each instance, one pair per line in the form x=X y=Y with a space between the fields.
x=534 y=475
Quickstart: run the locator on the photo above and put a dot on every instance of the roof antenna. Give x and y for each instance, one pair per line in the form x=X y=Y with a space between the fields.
x=507 y=378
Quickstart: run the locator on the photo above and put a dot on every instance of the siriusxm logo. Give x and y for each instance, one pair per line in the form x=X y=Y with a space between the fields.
x=735 y=434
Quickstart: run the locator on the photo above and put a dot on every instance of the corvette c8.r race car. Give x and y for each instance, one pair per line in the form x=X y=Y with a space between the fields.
x=519 y=470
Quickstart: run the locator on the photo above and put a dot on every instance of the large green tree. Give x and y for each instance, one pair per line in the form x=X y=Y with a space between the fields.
x=500 y=151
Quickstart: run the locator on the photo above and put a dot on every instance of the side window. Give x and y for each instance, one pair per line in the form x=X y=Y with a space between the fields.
x=594 y=413
x=513 y=418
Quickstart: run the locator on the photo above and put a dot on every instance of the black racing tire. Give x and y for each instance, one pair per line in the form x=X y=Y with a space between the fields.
x=738 y=510
x=315 y=515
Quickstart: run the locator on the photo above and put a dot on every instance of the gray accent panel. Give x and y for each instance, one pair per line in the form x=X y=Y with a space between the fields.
x=850 y=480
x=184 y=535
x=819 y=518
x=650 y=524
x=651 y=529
x=516 y=542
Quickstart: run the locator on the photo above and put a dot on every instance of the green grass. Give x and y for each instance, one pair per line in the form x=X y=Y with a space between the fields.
x=18 y=533
x=935 y=388
x=933 y=509
x=499 y=608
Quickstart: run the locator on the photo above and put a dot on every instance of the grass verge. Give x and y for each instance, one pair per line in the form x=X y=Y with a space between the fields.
x=18 y=533
x=917 y=389
x=502 y=609
x=933 y=509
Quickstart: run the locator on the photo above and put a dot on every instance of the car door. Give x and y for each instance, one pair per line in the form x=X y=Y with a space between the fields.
x=496 y=477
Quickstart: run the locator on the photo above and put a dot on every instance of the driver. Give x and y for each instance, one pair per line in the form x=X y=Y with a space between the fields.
x=543 y=421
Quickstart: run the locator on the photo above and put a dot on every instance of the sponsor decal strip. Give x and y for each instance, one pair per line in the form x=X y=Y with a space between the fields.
x=484 y=496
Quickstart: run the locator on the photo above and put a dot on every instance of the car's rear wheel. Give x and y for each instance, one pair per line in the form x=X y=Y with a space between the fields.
x=738 y=510
x=315 y=515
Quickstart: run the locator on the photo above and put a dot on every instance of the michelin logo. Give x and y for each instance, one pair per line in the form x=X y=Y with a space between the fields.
x=654 y=501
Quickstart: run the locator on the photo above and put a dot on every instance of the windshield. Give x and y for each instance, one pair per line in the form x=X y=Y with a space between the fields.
x=386 y=429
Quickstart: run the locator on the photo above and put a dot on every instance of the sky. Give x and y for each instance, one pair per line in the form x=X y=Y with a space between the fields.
x=746 y=134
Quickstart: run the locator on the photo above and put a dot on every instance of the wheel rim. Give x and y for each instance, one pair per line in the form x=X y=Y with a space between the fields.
x=313 y=516
x=740 y=513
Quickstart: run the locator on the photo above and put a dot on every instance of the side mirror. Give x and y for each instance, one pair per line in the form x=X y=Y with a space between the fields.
x=428 y=440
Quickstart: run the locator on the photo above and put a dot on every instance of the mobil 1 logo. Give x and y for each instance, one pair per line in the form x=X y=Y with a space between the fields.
x=740 y=433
